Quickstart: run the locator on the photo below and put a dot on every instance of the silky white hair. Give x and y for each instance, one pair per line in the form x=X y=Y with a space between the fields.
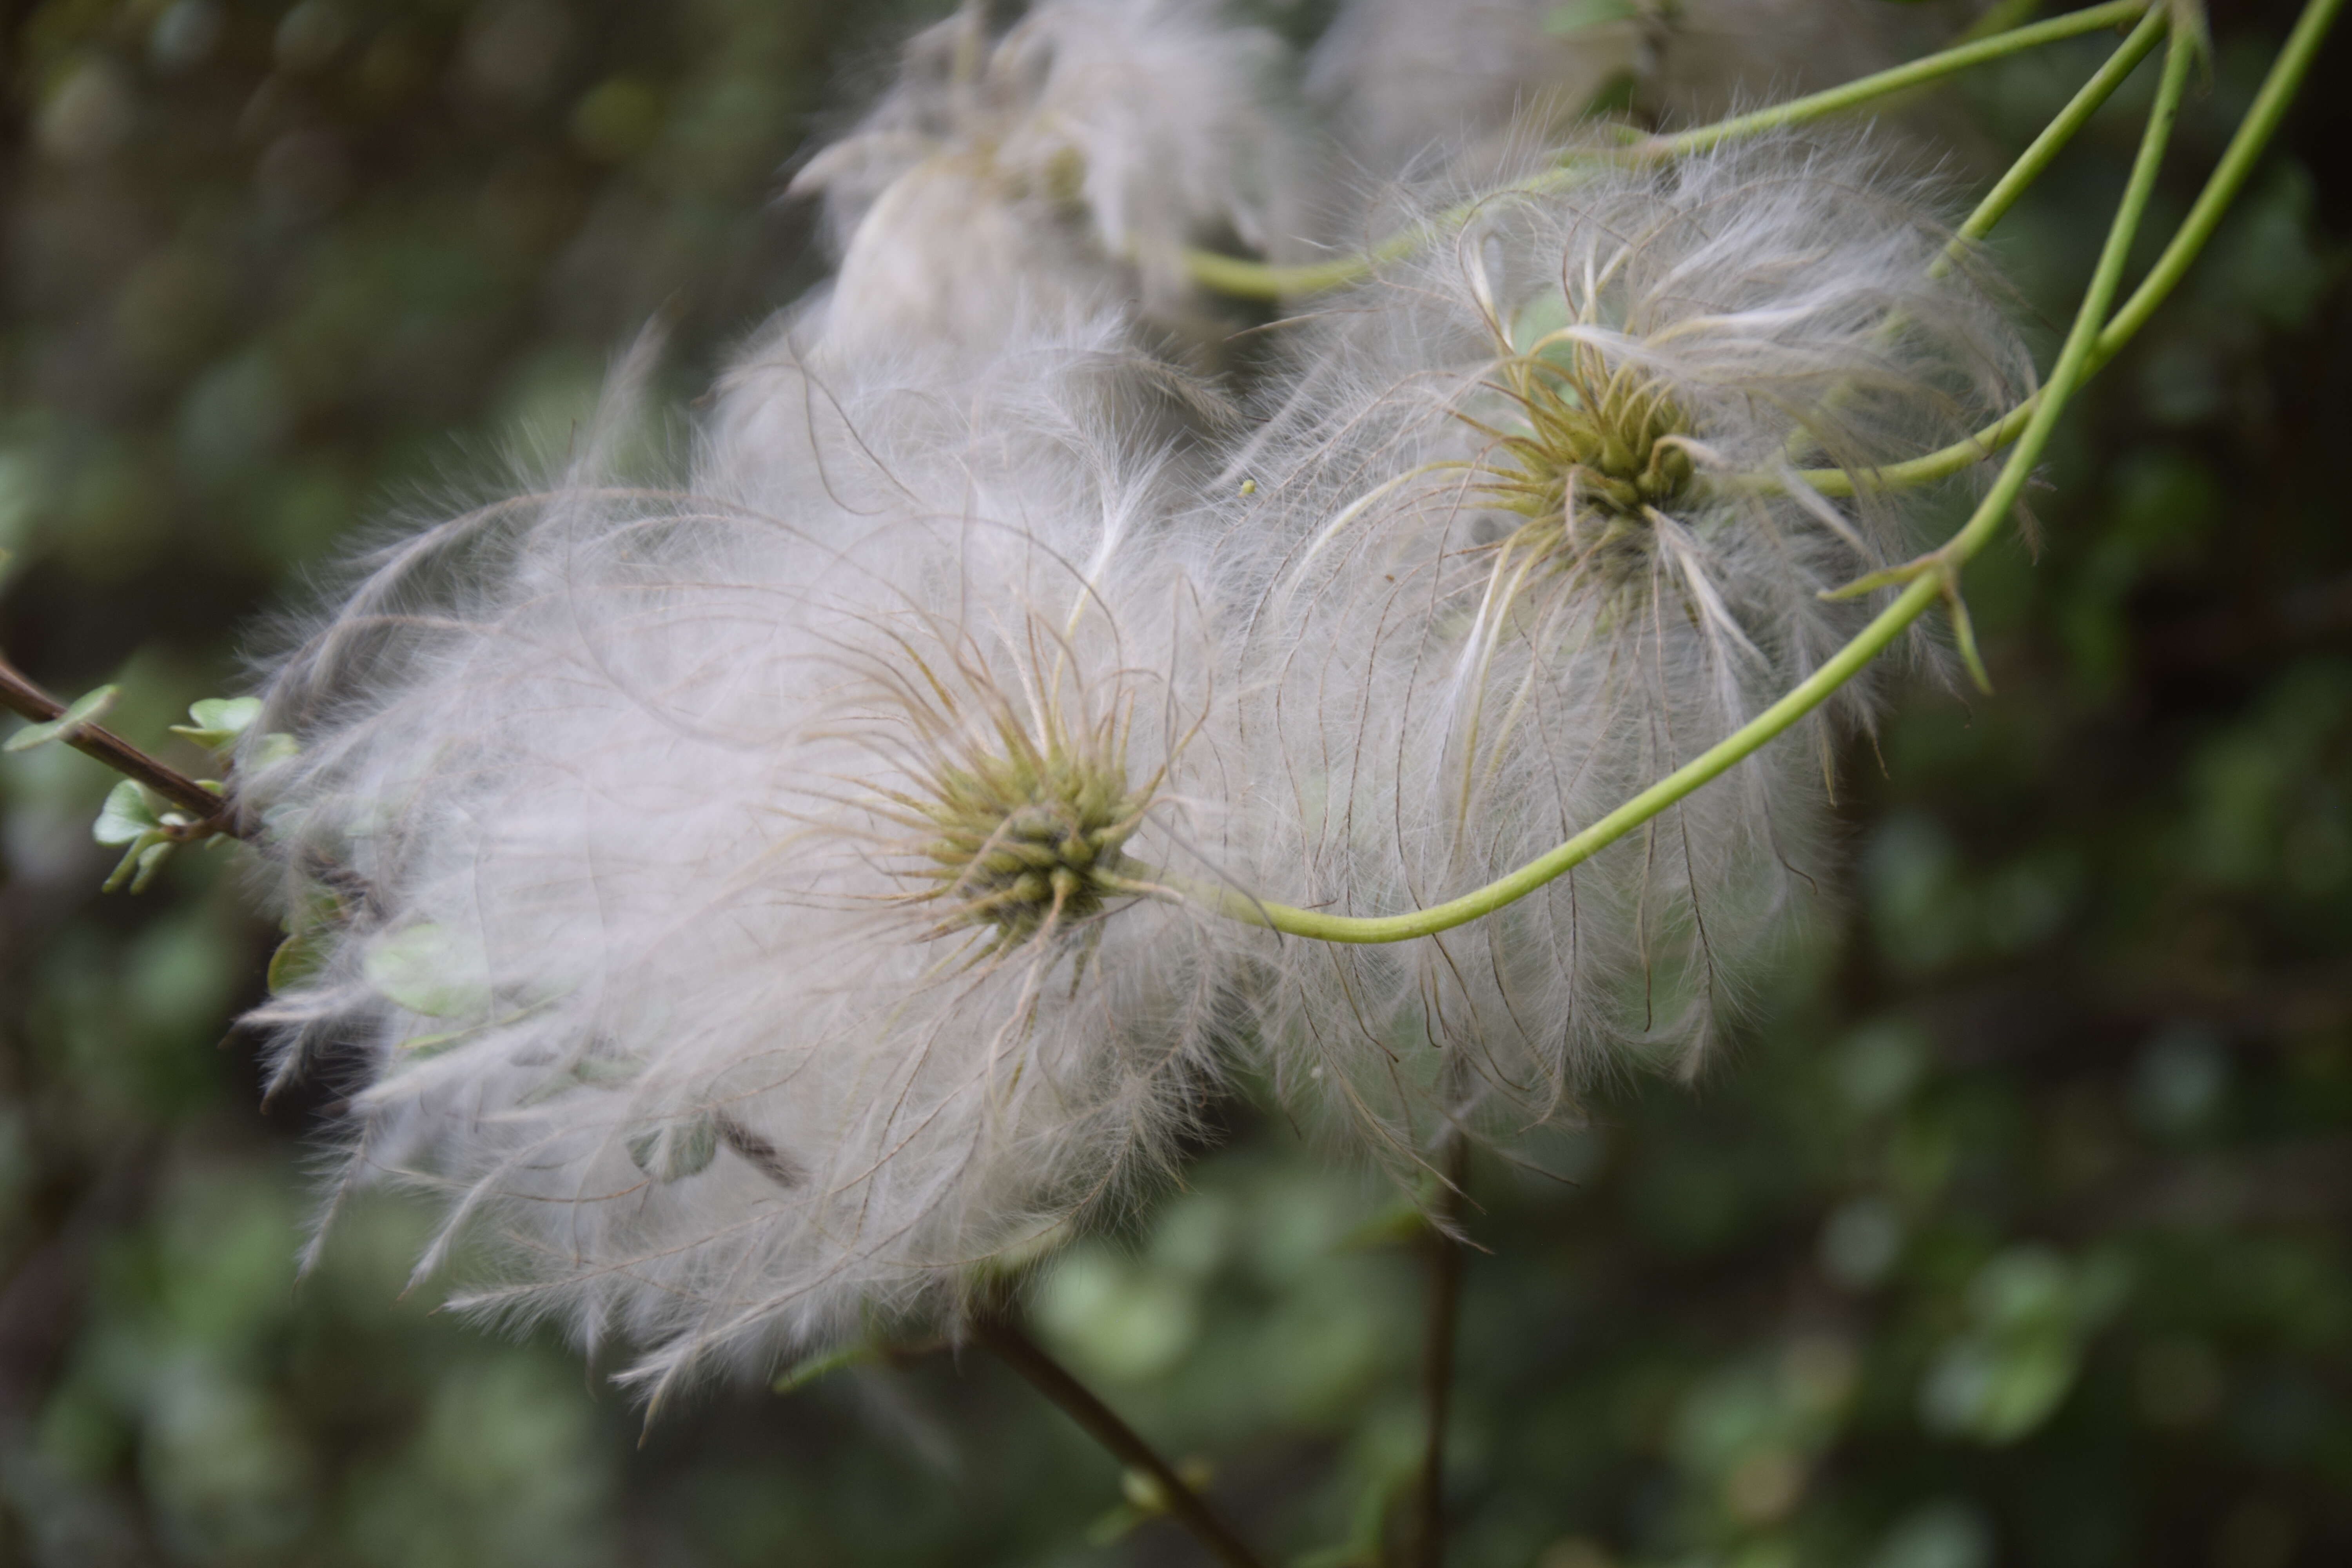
x=637 y=829
x=1012 y=188
x=1060 y=165
x=803 y=417
x=1470 y=641
x=1414 y=86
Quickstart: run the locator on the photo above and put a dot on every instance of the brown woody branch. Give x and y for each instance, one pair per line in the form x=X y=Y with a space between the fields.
x=19 y=695
x=1048 y=1377
x=1447 y=1257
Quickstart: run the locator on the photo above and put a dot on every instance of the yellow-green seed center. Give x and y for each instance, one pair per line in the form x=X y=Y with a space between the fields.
x=1027 y=842
x=1585 y=438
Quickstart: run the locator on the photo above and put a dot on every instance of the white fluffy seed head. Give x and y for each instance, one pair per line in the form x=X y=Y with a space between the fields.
x=747 y=922
x=1526 y=536
x=1058 y=166
x=1415 y=84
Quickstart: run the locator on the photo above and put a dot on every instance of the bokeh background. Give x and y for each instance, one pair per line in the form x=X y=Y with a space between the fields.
x=2013 y=1229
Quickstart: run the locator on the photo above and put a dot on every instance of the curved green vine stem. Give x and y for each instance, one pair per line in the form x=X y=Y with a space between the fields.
x=2029 y=166
x=1244 y=279
x=2052 y=138
x=1930 y=578
x=2222 y=187
x=1878 y=84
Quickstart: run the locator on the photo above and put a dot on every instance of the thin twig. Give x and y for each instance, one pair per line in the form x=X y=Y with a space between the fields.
x=1447 y=1259
x=19 y=695
x=1048 y=1377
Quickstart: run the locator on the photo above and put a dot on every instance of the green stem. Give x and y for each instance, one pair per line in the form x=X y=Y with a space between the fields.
x=2013 y=183
x=2074 y=360
x=2054 y=136
x=1262 y=280
x=1878 y=84
x=2228 y=177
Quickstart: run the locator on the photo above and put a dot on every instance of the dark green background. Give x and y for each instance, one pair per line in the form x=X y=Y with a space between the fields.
x=2012 y=1230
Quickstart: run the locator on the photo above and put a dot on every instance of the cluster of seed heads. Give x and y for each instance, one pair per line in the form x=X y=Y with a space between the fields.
x=744 y=889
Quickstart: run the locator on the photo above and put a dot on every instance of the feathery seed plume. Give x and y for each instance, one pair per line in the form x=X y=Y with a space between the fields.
x=1528 y=534
x=748 y=921
x=1057 y=166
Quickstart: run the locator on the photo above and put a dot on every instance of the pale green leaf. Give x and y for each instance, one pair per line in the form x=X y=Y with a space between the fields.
x=299 y=957
x=605 y=1072
x=676 y=1149
x=427 y=969
x=139 y=863
x=85 y=710
x=219 y=721
x=131 y=813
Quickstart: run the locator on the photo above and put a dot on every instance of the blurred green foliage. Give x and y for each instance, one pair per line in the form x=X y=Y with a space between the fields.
x=2014 y=1229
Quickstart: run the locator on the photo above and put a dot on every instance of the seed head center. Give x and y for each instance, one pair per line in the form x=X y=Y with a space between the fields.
x=1027 y=842
x=1591 y=439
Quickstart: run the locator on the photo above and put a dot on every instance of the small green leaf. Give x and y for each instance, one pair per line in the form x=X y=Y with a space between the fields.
x=675 y=1150
x=299 y=958
x=139 y=863
x=85 y=709
x=277 y=747
x=132 y=812
x=605 y=1072
x=426 y=970
x=311 y=927
x=143 y=821
x=1579 y=14
x=219 y=721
